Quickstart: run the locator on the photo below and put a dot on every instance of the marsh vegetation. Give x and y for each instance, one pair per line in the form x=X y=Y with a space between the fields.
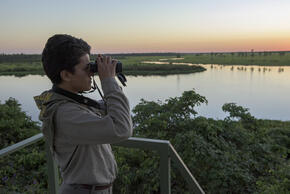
x=137 y=64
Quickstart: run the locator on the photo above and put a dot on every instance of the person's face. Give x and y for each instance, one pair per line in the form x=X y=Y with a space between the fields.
x=80 y=80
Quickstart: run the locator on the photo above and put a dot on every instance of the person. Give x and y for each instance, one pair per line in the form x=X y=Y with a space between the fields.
x=79 y=130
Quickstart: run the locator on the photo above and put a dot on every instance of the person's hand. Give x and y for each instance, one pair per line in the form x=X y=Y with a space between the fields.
x=106 y=66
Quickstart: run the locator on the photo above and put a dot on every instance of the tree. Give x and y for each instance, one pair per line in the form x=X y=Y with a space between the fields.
x=240 y=154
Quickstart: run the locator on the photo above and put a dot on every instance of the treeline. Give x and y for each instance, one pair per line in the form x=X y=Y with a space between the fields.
x=242 y=54
x=30 y=58
x=239 y=154
x=19 y=58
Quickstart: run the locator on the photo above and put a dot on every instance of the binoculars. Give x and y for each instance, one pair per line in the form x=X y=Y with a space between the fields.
x=94 y=67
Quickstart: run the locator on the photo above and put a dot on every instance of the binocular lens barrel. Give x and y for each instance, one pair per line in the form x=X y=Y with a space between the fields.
x=94 y=67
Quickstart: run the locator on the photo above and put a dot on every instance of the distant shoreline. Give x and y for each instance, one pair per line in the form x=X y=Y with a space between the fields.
x=23 y=69
x=21 y=65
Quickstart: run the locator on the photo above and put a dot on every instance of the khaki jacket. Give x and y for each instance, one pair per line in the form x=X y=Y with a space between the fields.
x=80 y=136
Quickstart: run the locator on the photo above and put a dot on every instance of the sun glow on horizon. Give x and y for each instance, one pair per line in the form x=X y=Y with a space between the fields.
x=151 y=26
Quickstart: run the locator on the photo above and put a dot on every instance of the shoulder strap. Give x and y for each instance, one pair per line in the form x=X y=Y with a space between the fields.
x=78 y=98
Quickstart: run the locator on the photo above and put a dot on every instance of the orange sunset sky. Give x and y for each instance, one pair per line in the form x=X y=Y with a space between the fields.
x=133 y=26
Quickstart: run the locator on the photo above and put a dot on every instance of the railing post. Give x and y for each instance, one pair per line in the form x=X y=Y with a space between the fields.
x=165 y=179
x=52 y=172
x=185 y=172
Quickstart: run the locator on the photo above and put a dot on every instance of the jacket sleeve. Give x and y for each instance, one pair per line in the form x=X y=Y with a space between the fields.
x=78 y=125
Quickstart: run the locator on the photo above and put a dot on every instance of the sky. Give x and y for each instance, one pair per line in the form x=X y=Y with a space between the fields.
x=139 y=26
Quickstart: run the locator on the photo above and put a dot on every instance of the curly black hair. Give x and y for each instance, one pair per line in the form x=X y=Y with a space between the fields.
x=62 y=52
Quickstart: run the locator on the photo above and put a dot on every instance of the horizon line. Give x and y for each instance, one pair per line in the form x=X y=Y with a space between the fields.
x=128 y=53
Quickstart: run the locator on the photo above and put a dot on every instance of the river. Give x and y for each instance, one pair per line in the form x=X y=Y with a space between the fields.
x=264 y=90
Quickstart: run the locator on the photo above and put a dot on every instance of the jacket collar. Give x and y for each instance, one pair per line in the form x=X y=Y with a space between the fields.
x=78 y=98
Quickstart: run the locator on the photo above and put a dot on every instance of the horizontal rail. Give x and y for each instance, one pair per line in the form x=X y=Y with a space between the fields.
x=20 y=145
x=144 y=143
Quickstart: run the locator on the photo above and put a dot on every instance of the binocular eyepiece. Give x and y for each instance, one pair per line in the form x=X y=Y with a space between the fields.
x=94 y=67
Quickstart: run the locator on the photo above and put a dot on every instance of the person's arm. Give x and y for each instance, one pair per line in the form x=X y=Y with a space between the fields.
x=76 y=125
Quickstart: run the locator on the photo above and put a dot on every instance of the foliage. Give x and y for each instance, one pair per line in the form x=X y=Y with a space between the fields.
x=240 y=154
x=14 y=124
x=21 y=69
x=240 y=113
x=279 y=179
x=16 y=58
x=24 y=170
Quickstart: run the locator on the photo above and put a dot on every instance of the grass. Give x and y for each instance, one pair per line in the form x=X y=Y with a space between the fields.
x=21 y=69
x=131 y=66
x=262 y=58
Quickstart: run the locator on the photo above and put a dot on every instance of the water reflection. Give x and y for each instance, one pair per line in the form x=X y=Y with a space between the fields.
x=252 y=68
x=266 y=93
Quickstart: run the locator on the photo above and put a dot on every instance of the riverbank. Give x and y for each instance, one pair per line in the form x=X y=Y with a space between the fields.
x=134 y=64
x=132 y=68
x=241 y=58
x=234 y=58
x=21 y=69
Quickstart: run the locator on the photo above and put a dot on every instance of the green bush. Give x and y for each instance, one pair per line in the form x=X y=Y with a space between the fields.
x=240 y=154
x=25 y=170
x=234 y=155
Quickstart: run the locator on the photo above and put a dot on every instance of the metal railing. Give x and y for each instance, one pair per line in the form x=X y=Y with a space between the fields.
x=163 y=148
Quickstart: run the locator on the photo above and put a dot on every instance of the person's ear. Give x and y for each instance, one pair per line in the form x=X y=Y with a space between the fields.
x=65 y=75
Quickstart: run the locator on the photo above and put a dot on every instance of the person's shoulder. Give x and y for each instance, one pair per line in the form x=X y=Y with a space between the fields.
x=69 y=106
x=72 y=107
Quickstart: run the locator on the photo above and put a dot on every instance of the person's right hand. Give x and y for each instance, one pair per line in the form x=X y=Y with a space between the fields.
x=106 y=66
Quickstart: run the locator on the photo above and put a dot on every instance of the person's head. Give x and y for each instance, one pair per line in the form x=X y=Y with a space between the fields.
x=64 y=60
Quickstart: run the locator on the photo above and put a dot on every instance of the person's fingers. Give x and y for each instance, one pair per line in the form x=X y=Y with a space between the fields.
x=114 y=62
x=109 y=60
x=99 y=60
x=106 y=67
x=104 y=59
x=99 y=56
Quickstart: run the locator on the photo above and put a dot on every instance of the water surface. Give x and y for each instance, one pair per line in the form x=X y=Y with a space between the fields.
x=265 y=91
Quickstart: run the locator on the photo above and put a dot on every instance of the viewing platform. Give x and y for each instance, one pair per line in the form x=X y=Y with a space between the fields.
x=164 y=149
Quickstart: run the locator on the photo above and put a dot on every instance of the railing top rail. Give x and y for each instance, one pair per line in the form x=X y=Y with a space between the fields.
x=144 y=143
x=20 y=145
x=133 y=142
